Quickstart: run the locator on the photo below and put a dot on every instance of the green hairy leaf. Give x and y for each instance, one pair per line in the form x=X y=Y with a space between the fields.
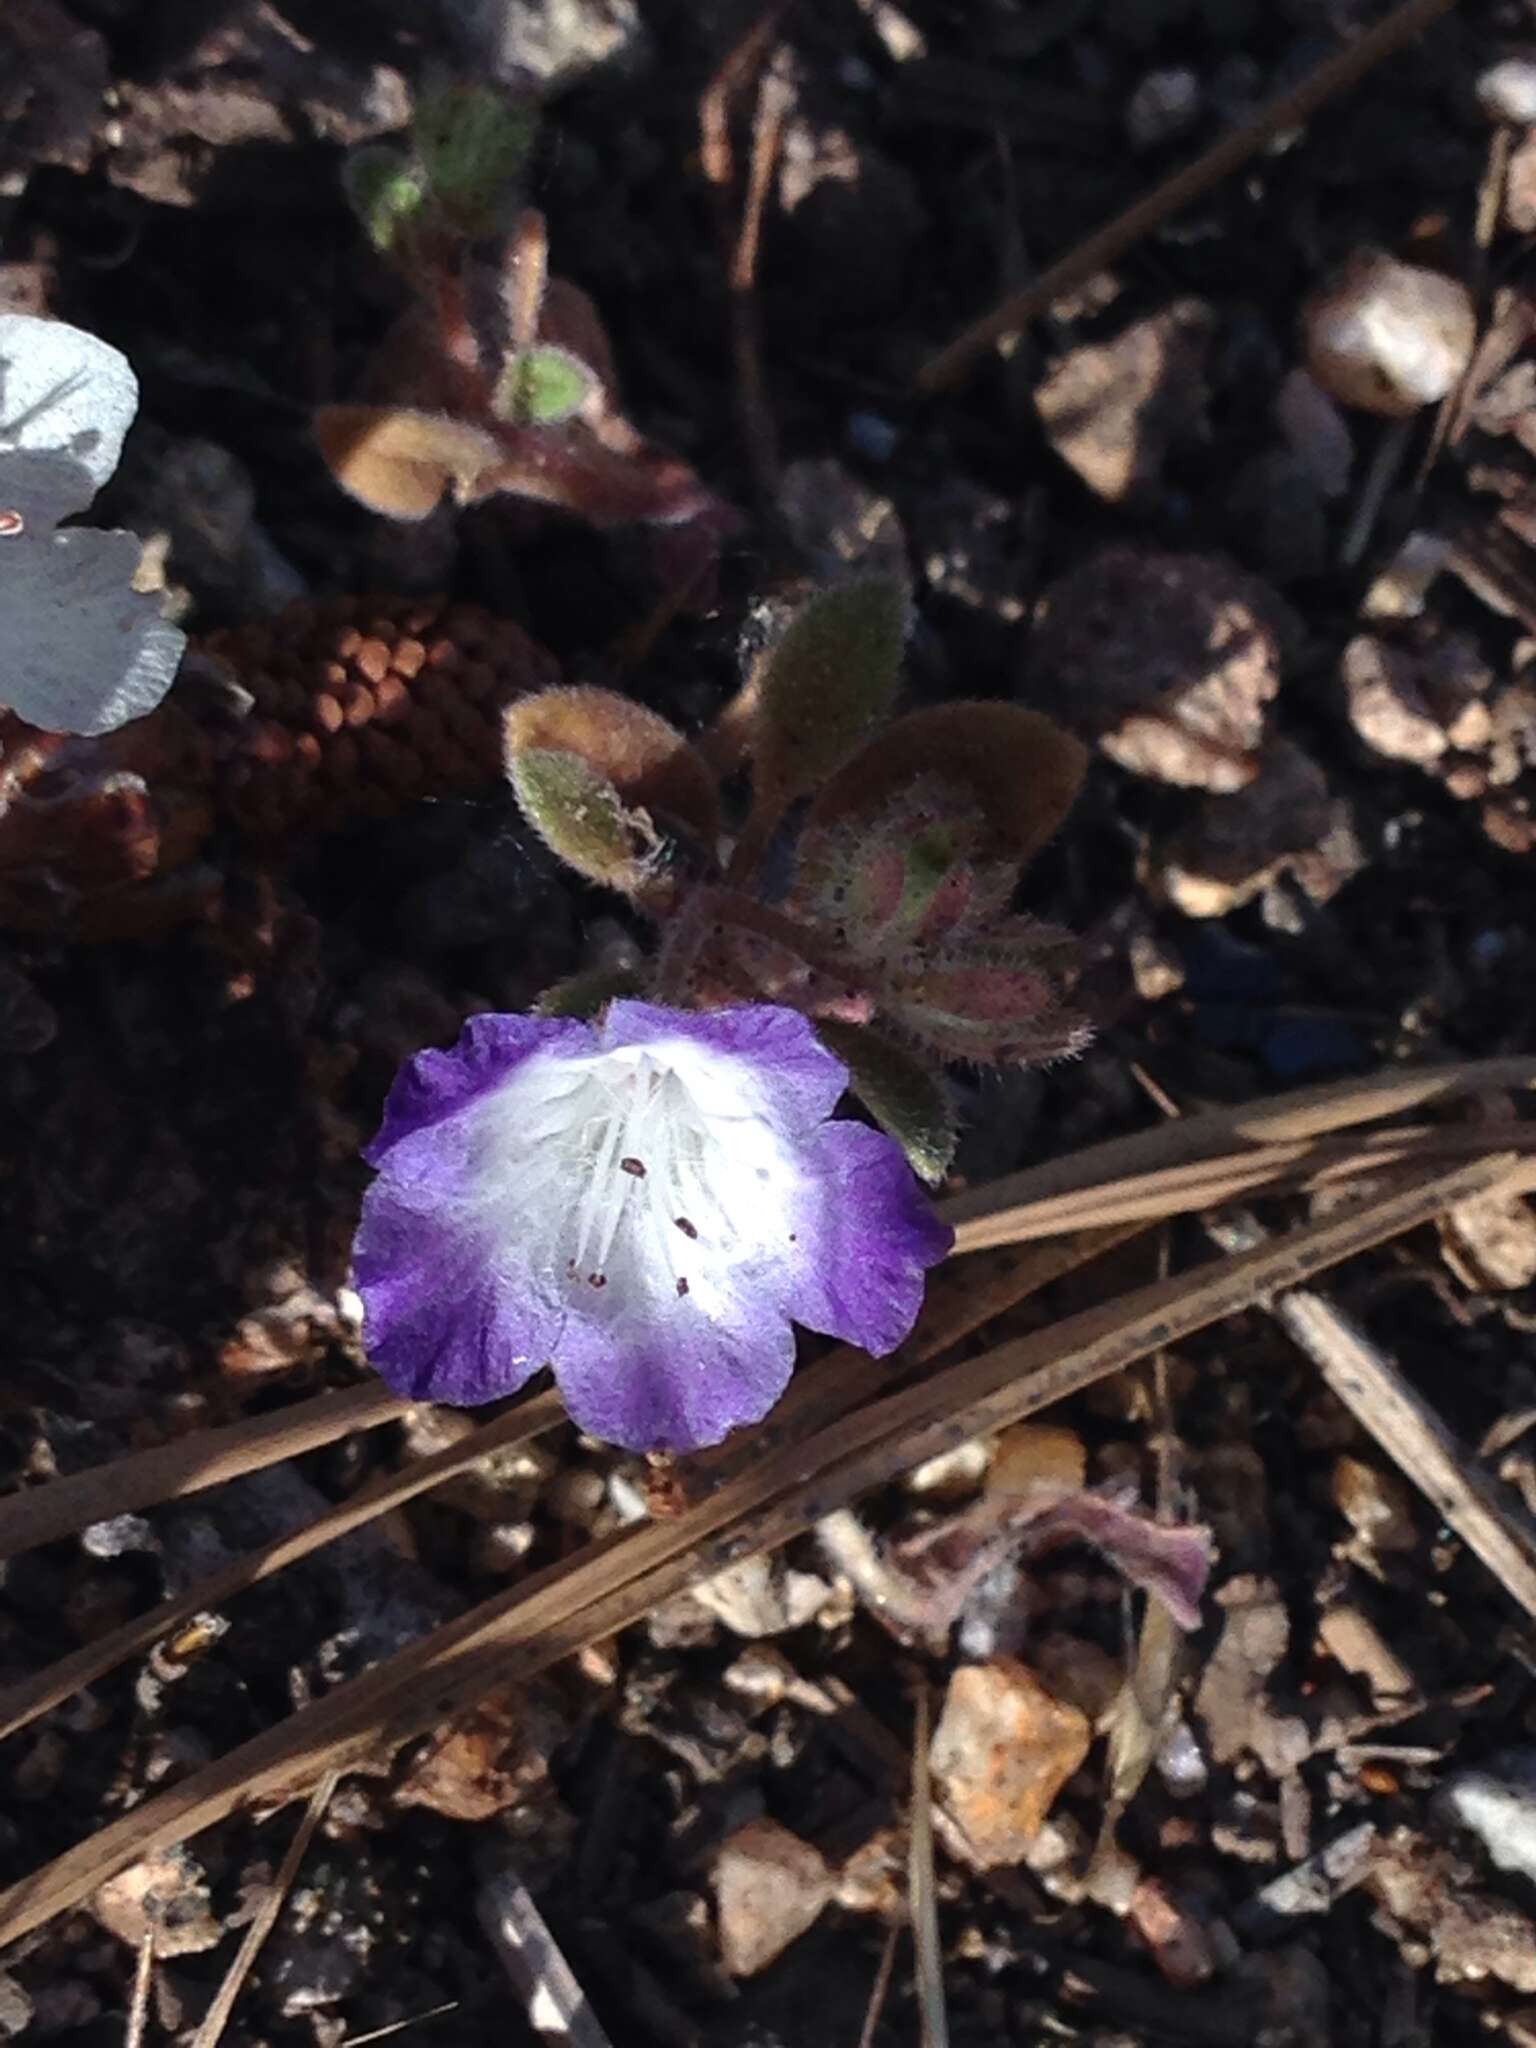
x=387 y=193
x=579 y=815
x=829 y=678
x=905 y=1096
x=584 y=995
x=473 y=142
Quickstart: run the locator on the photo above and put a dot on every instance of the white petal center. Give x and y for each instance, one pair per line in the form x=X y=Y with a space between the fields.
x=635 y=1179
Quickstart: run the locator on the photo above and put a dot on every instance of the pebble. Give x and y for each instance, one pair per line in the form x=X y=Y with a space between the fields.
x=1002 y=1751
x=1499 y=1807
x=770 y=1887
x=1376 y=1504
x=1506 y=92
x=1113 y=410
x=1037 y=1454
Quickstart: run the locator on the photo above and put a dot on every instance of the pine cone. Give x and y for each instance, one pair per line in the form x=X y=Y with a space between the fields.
x=364 y=704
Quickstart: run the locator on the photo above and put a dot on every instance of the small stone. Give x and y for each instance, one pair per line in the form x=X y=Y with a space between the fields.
x=1058 y=1856
x=1180 y=1945
x=1489 y=1242
x=1401 y=589
x=1499 y=1807
x=770 y=1887
x=1002 y=1751
x=1168 y=661
x=1112 y=410
x=1389 y=337
x=1164 y=106
x=1506 y=92
x=15 y=2007
x=839 y=523
x=1375 y=1503
x=1352 y=1639
x=1156 y=968
x=553 y=43
x=1233 y=1697
x=874 y=1877
x=484 y=1762
x=1412 y=704
x=1035 y=1454
x=762 y=1596
x=1285 y=820
x=168 y=1894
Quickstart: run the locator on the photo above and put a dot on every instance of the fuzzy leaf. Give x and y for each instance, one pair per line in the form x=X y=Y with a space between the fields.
x=542 y=387
x=908 y=876
x=825 y=682
x=583 y=995
x=473 y=141
x=1013 y=772
x=386 y=191
x=644 y=759
x=579 y=815
x=993 y=1002
x=400 y=462
x=905 y=1097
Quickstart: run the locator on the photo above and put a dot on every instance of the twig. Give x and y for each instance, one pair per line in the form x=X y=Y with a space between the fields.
x=172 y=1470
x=433 y=2012
x=138 y=2005
x=739 y=239
x=922 y=1889
x=22 y=1702
x=879 y=1991
x=1379 y=479
x=757 y=424
x=776 y=1495
x=1288 y=110
x=1406 y=1427
x=555 y=2003
x=265 y=1917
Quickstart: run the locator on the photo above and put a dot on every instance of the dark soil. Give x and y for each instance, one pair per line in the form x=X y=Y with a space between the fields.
x=182 y=1111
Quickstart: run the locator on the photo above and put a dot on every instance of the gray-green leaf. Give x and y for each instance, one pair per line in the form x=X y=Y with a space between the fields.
x=579 y=815
x=906 y=1097
x=829 y=679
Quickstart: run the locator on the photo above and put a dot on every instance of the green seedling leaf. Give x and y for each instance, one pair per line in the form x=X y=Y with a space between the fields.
x=473 y=142
x=542 y=387
x=999 y=1001
x=584 y=995
x=1002 y=776
x=634 y=751
x=579 y=815
x=387 y=193
x=825 y=683
x=903 y=1094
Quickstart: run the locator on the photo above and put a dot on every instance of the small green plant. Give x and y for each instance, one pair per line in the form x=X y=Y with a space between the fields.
x=504 y=376
x=871 y=884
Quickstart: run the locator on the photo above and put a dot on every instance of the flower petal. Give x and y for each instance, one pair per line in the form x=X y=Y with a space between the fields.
x=865 y=1237
x=65 y=391
x=672 y=1382
x=442 y=1321
x=757 y=1059
x=85 y=652
x=433 y=1085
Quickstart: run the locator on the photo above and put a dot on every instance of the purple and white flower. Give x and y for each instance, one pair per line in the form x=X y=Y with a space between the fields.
x=646 y=1205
